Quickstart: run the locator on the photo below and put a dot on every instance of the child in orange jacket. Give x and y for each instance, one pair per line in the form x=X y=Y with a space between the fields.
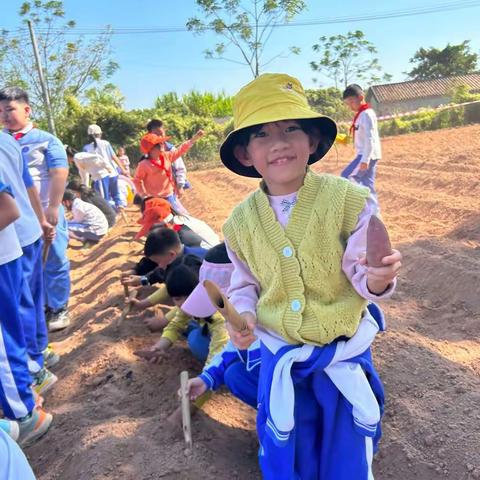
x=153 y=176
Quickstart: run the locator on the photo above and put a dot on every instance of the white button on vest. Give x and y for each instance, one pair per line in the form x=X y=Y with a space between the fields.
x=287 y=252
x=296 y=306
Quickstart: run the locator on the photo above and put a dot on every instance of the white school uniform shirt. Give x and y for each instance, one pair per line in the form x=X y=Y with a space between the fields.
x=12 y=169
x=42 y=151
x=94 y=165
x=90 y=215
x=105 y=150
x=10 y=248
x=367 y=140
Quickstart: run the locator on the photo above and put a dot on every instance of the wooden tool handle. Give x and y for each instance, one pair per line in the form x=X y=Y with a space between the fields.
x=221 y=303
x=186 y=418
x=127 y=308
x=45 y=252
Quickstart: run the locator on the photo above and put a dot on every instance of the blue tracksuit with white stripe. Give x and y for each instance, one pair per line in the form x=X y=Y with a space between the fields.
x=42 y=152
x=320 y=408
x=238 y=369
x=15 y=171
x=16 y=398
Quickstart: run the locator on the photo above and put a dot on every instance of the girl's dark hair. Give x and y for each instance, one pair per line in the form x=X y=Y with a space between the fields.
x=93 y=139
x=242 y=137
x=77 y=186
x=71 y=151
x=182 y=276
x=69 y=195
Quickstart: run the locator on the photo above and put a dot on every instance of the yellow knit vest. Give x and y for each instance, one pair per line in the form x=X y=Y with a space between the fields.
x=304 y=294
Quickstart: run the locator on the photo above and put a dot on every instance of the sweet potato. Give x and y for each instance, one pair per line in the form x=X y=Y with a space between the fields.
x=378 y=242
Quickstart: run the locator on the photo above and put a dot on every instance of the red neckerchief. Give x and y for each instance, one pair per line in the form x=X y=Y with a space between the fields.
x=19 y=135
x=160 y=164
x=363 y=107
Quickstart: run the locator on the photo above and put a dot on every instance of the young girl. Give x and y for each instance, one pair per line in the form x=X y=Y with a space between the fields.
x=124 y=160
x=91 y=196
x=302 y=284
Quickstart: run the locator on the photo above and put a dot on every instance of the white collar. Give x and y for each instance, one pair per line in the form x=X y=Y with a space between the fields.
x=25 y=129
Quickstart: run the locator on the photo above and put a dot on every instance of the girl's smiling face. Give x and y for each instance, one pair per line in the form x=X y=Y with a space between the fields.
x=279 y=151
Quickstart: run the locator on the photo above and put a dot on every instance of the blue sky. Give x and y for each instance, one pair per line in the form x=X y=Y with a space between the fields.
x=157 y=63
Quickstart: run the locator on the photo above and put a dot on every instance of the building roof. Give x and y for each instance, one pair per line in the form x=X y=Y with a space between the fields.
x=412 y=89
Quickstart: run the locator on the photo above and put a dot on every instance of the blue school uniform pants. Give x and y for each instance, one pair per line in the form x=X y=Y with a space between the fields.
x=115 y=192
x=102 y=186
x=57 y=267
x=242 y=383
x=325 y=444
x=83 y=231
x=16 y=398
x=107 y=187
x=31 y=304
x=365 y=178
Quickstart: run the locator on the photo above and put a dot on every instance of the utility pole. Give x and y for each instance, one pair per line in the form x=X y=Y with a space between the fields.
x=46 y=99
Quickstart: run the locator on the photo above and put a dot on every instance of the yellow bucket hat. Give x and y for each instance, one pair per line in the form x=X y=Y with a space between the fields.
x=272 y=97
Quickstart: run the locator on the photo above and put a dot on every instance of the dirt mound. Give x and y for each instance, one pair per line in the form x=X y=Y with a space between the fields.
x=110 y=409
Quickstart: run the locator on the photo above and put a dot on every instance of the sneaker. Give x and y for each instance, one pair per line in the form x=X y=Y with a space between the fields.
x=33 y=426
x=10 y=427
x=50 y=358
x=58 y=320
x=43 y=381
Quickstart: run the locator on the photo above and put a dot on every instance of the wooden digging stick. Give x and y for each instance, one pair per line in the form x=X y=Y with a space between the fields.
x=221 y=303
x=126 y=309
x=186 y=419
x=45 y=251
x=124 y=216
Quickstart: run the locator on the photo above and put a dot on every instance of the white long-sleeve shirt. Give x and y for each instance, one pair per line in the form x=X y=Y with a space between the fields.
x=367 y=140
x=89 y=215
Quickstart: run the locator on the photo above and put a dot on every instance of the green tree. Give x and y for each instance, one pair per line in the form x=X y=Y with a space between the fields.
x=430 y=63
x=328 y=101
x=71 y=66
x=348 y=58
x=206 y=104
x=461 y=93
x=246 y=25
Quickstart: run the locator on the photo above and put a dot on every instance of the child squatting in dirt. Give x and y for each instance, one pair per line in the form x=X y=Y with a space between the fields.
x=302 y=284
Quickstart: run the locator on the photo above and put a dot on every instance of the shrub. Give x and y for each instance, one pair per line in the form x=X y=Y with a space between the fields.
x=431 y=120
